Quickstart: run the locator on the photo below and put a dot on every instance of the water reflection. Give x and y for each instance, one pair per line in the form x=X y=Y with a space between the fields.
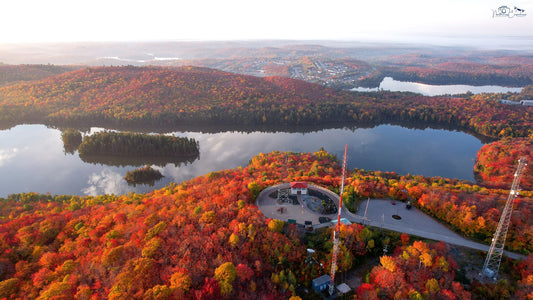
x=137 y=161
x=32 y=157
x=7 y=154
x=428 y=152
x=106 y=182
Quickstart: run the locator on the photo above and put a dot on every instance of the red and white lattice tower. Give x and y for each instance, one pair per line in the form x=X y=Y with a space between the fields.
x=337 y=229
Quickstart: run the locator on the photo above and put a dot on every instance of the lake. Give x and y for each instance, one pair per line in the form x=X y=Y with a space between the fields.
x=389 y=84
x=32 y=157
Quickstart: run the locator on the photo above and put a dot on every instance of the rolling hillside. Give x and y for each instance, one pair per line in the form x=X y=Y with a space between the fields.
x=190 y=95
x=10 y=74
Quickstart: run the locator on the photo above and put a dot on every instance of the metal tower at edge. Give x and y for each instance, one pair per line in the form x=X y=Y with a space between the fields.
x=494 y=256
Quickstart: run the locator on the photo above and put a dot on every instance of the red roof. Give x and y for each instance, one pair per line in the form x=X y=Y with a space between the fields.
x=299 y=185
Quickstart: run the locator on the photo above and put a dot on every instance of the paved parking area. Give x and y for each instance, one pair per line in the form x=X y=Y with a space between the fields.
x=300 y=212
x=379 y=214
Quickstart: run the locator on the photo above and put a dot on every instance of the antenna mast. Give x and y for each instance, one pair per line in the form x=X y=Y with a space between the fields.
x=337 y=229
x=494 y=256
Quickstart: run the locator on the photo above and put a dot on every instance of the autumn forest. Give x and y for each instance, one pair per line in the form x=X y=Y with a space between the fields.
x=205 y=238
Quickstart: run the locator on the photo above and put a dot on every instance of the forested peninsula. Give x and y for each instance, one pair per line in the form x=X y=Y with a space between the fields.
x=165 y=96
x=496 y=162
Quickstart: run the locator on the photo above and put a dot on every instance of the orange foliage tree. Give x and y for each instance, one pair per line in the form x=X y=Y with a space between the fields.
x=200 y=239
x=496 y=162
x=417 y=271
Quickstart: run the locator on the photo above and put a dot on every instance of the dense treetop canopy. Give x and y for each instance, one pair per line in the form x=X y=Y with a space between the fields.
x=205 y=238
x=184 y=95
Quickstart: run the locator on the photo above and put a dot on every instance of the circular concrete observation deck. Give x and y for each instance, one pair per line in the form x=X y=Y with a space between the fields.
x=302 y=206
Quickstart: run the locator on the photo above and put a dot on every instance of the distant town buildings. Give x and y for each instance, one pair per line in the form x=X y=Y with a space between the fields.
x=323 y=71
x=522 y=102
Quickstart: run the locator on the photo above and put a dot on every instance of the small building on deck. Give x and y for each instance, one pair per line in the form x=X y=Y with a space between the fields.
x=321 y=283
x=299 y=187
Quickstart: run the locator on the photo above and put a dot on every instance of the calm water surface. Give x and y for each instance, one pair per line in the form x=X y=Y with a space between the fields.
x=32 y=158
x=389 y=84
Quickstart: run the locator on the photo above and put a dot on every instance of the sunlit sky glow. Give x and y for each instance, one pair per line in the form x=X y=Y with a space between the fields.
x=162 y=20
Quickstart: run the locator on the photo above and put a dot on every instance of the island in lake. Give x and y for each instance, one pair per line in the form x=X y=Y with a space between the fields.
x=138 y=144
x=145 y=175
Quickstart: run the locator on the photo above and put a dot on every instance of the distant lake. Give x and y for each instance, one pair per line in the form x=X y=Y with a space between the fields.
x=389 y=84
x=32 y=157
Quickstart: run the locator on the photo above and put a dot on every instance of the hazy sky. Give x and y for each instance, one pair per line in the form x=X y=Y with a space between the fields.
x=134 y=20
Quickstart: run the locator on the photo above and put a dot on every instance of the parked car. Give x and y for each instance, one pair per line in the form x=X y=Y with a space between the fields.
x=323 y=219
